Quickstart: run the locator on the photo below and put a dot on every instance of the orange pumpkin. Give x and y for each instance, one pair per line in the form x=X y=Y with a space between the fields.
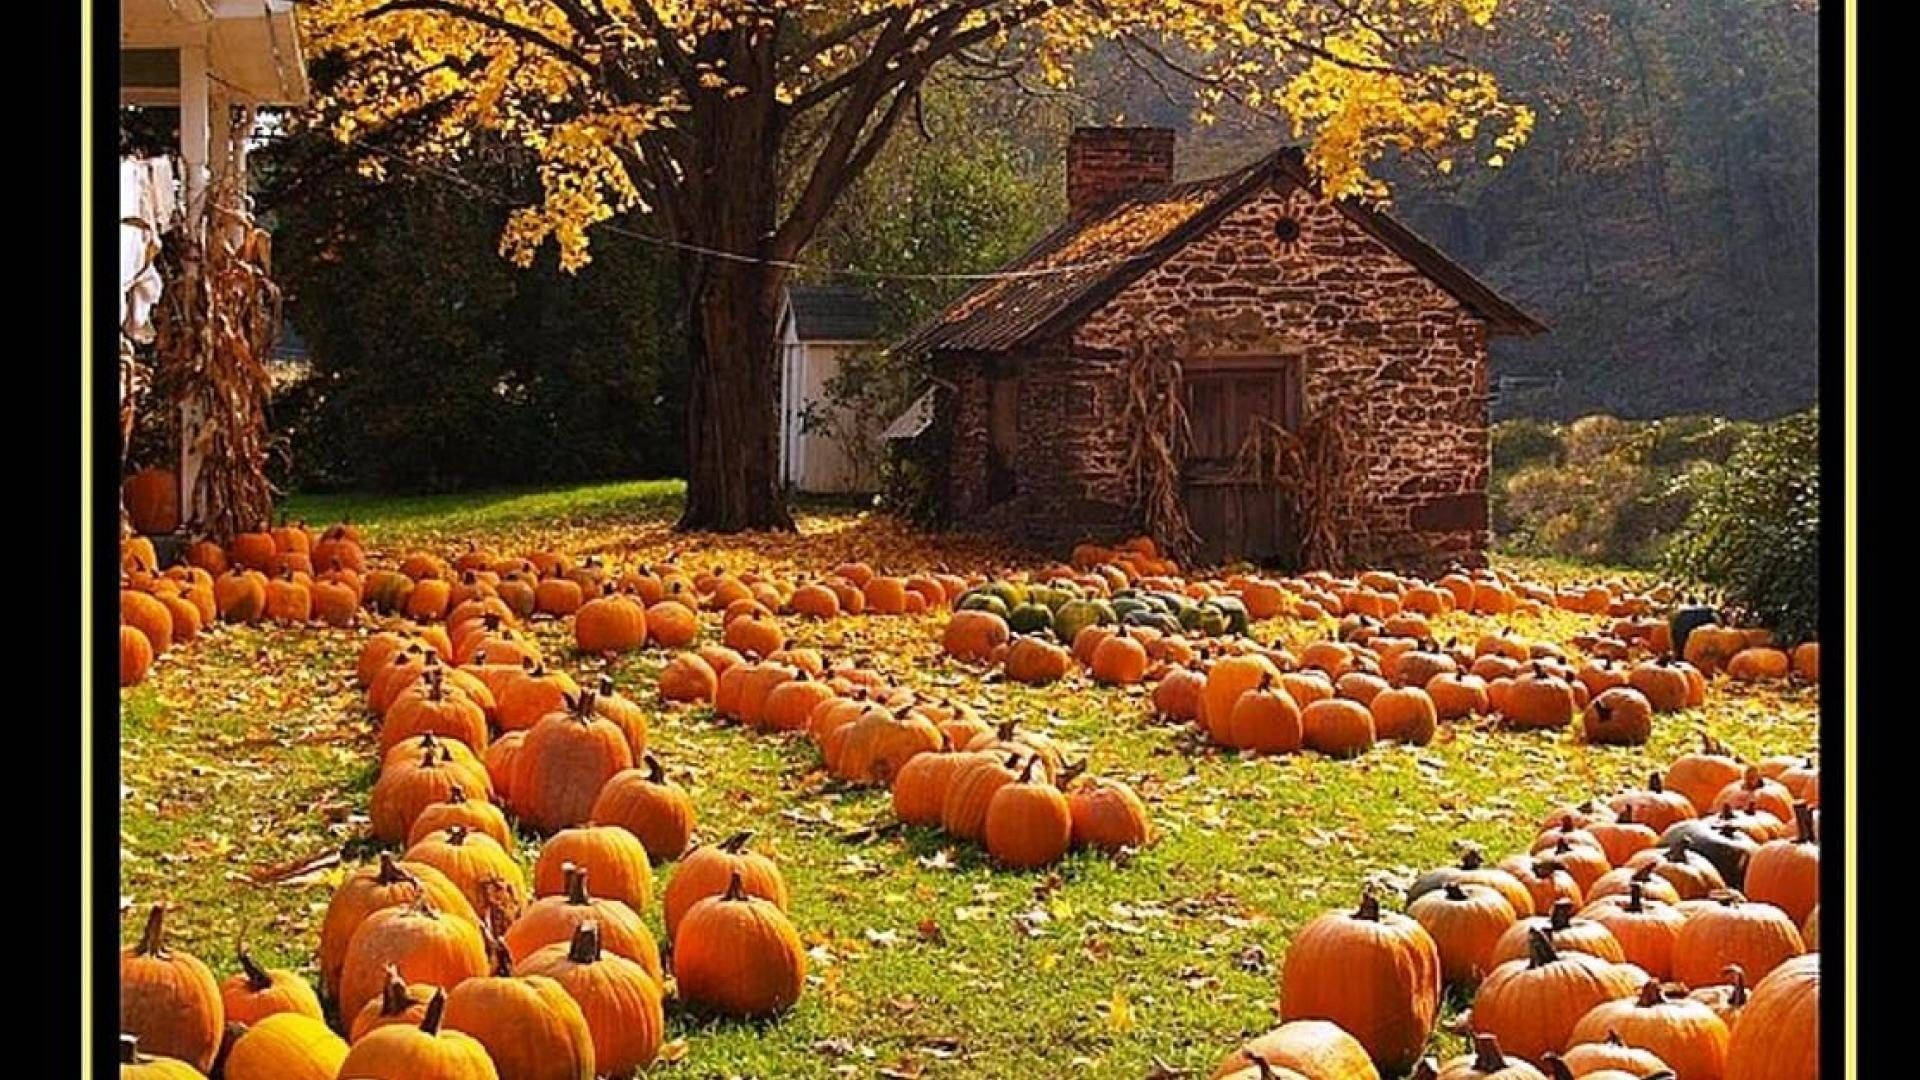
x=1374 y=973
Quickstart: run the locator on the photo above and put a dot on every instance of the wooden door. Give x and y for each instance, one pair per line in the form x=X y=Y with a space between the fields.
x=1237 y=518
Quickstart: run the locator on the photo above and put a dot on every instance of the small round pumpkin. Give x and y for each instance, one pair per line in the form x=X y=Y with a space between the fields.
x=1532 y=1005
x=530 y=1026
x=1337 y=728
x=1685 y=1034
x=1109 y=816
x=399 y=1052
x=254 y=993
x=708 y=870
x=647 y=804
x=286 y=1046
x=1465 y=923
x=736 y=954
x=1029 y=822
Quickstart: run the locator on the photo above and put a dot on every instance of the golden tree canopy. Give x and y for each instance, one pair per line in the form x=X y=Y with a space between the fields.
x=609 y=93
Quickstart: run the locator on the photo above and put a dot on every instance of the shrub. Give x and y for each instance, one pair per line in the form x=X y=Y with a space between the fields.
x=1524 y=441
x=1754 y=533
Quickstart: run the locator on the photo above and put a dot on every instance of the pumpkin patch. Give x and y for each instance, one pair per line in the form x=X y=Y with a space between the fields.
x=654 y=794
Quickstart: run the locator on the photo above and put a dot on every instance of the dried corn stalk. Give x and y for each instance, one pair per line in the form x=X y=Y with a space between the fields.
x=1155 y=416
x=1310 y=468
x=216 y=327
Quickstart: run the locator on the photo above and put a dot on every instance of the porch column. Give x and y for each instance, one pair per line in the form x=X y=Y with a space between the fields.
x=195 y=144
x=195 y=125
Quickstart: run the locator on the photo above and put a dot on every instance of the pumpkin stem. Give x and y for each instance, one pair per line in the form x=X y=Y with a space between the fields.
x=1625 y=816
x=393 y=995
x=1656 y=785
x=1540 y=950
x=1454 y=891
x=129 y=1050
x=257 y=977
x=655 y=773
x=1428 y=1069
x=391 y=872
x=576 y=879
x=1636 y=897
x=736 y=888
x=1260 y=1063
x=1026 y=774
x=735 y=844
x=1486 y=1054
x=585 y=947
x=153 y=937
x=1803 y=821
x=1561 y=916
x=436 y=1011
x=456 y=794
x=1369 y=904
x=1650 y=994
x=1737 y=976
x=1471 y=859
x=1556 y=1069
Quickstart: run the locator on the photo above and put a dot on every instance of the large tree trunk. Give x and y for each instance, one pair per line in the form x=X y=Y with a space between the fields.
x=733 y=460
x=733 y=449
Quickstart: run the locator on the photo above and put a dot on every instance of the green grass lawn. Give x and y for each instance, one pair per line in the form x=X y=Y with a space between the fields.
x=250 y=750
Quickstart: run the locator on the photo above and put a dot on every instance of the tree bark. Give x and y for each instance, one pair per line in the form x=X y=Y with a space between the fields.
x=732 y=203
x=733 y=452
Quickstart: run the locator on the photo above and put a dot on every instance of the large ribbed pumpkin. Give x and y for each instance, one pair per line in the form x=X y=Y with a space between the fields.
x=168 y=998
x=1375 y=973
x=1729 y=930
x=1685 y=1034
x=390 y=883
x=561 y=767
x=421 y=942
x=1777 y=1035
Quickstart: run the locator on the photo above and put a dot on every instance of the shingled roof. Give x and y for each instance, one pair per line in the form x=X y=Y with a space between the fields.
x=834 y=313
x=1079 y=266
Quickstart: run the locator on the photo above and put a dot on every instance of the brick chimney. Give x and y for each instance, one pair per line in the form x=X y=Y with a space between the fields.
x=1104 y=162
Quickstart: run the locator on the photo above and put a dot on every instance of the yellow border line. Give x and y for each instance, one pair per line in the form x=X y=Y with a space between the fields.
x=87 y=882
x=1850 y=704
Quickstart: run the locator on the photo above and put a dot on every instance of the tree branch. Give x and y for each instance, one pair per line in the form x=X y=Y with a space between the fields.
x=515 y=31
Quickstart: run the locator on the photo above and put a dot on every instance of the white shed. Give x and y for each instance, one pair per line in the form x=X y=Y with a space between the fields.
x=819 y=325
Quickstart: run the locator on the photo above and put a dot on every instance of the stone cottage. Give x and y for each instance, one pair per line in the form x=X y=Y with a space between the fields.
x=1272 y=307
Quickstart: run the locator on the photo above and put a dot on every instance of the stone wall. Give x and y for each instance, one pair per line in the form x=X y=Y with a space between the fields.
x=1403 y=357
x=967 y=471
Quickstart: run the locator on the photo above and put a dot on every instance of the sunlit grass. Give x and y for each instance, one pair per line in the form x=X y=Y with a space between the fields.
x=250 y=749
